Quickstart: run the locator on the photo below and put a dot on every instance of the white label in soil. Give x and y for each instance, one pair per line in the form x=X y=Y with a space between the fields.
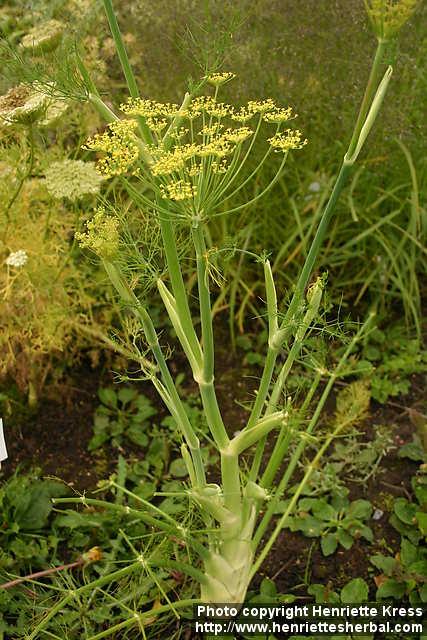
x=3 y=450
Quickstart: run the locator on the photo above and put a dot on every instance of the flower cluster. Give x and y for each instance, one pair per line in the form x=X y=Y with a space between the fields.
x=168 y=162
x=389 y=16
x=17 y=259
x=287 y=140
x=22 y=105
x=72 y=179
x=217 y=79
x=179 y=190
x=44 y=37
x=199 y=151
x=278 y=115
x=102 y=235
x=149 y=108
x=119 y=143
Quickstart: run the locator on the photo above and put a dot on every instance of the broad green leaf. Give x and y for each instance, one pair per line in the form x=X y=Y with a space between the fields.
x=405 y=511
x=310 y=527
x=329 y=544
x=126 y=394
x=408 y=552
x=268 y=588
x=356 y=591
x=108 y=397
x=324 y=511
x=345 y=539
x=137 y=435
x=386 y=564
x=360 y=509
x=391 y=589
x=34 y=512
x=422 y=522
x=178 y=468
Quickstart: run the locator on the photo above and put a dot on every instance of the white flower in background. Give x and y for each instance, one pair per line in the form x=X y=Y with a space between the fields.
x=72 y=179
x=22 y=105
x=17 y=258
x=314 y=187
x=43 y=37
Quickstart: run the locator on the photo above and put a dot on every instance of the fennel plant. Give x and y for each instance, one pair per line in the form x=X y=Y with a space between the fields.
x=185 y=165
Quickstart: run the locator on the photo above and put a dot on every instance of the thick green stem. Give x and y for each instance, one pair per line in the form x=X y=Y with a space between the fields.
x=143 y=316
x=368 y=95
x=177 y=282
x=276 y=460
x=230 y=476
x=205 y=304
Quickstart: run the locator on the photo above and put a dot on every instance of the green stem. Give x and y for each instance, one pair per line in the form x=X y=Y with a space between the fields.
x=177 y=282
x=143 y=316
x=368 y=95
x=276 y=460
x=282 y=521
x=125 y=64
x=103 y=504
x=285 y=436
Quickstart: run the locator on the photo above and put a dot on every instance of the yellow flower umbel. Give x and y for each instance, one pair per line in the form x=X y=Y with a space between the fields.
x=179 y=190
x=119 y=143
x=101 y=236
x=388 y=16
x=287 y=140
x=217 y=79
x=195 y=152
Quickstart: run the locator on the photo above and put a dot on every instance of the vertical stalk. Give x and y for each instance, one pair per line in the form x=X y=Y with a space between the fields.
x=276 y=460
x=206 y=383
x=205 y=304
x=368 y=95
x=177 y=282
x=125 y=64
x=150 y=333
x=320 y=234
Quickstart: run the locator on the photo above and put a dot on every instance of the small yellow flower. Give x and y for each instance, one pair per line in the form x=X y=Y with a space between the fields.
x=167 y=162
x=287 y=140
x=119 y=145
x=237 y=136
x=218 y=109
x=243 y=115
x=101 y=236
x=156 y=124
x=278 y=115
x=141 y=107
x=210 y=131
x=217 y=79
x=220 y=147
x=388 y=16
x=261 y=106
x=219 y=167
x=179 y=190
